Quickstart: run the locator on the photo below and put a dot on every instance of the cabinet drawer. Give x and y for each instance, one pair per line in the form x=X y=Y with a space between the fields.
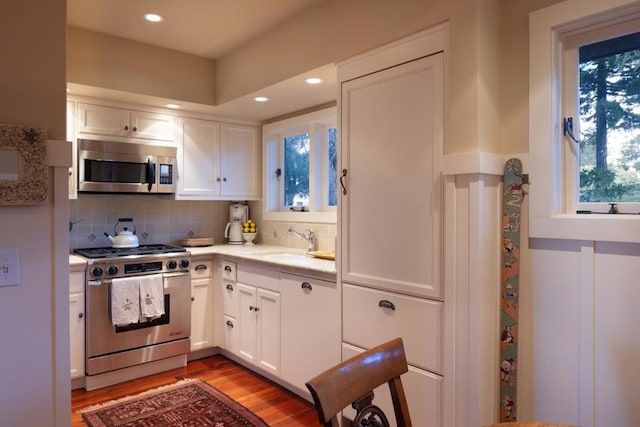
x=229 y=271
x=201 y=269
x=230 y=298
x=231 y=334
x=259 y=277
x=423 y=390
x=371 y=317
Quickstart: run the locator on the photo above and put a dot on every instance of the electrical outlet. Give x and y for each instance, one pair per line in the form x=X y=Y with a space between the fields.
x=9 y=268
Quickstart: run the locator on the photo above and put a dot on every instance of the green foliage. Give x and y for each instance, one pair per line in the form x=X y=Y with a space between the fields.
x=296 y=167
x=598 y=185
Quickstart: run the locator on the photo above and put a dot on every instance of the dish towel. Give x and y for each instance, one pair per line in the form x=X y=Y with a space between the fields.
x=151 y=297
x=125 y=301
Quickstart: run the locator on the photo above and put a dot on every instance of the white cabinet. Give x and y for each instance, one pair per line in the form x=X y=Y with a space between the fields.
x=76 y=323
x=391 y=220
x=95 y=121
x=217 y=161
x=311 y=320
x=252 y=316
x=202 y=305
x=423 y=389
x=71 y=136
x=391 y=142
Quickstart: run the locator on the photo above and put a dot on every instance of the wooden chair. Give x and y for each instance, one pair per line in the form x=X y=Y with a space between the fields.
x=352 y=383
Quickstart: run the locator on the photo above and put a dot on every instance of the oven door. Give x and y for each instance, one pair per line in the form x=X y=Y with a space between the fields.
x=103 y=338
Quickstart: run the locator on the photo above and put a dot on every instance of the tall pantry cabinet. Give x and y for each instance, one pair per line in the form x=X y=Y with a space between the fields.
x=391 y=225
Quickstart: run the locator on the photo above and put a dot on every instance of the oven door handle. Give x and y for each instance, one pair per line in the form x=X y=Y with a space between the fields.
x=151 y=174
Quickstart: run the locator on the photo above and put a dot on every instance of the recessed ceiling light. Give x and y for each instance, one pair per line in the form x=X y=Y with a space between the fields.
x=313 y=80
x=153 y=17
x=261 y=99
x=174 y=106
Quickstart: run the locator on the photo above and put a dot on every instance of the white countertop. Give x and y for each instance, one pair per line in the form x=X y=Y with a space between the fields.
x=284 y=258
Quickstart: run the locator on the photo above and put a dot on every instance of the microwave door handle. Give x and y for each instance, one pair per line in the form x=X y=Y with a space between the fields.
x=151 y=174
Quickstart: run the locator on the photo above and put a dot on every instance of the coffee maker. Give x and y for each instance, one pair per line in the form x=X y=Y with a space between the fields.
x=238 y=215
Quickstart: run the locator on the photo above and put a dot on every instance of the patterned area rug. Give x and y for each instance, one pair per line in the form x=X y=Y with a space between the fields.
x=187 y=403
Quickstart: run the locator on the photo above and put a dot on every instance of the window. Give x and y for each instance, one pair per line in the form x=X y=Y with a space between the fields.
x=608 y=106
x=300 y=160
x=578 y=51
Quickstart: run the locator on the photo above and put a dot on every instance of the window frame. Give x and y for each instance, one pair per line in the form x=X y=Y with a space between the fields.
x=552 y=162
x=316 y=124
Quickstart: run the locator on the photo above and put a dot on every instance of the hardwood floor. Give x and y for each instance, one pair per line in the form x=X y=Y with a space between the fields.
x=274 y=404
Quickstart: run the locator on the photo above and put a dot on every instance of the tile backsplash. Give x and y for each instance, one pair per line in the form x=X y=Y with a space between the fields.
x=160 y=220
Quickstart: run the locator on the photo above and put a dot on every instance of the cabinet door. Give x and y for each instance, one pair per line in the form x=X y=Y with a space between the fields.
x=423 y=390
x=240 y=168
x=268 y=330
x=391 y=142
x=100 y=120
x=202 y=321
x=310 y=328
x=198 y=162
x=247 y=322
x=71 y=136
x=152 y=126
x=76 y=323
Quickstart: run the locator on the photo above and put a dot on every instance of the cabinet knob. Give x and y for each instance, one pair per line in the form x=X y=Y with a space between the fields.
x=227 y=268
x=224 y=179
x=126 y=127
x=306 y=285
x=229 y=323
x=218 y=179
x=80 y=315
x=386 y=304
x=229 y=286
x=251 y=307
x=135 y=129
x=193 y=298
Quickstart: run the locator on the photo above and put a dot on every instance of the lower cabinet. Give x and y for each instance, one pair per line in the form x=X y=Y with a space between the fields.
x=373 y=316
x=202 y=301
x=255 y=334
x=76 y=323
x=310 y=328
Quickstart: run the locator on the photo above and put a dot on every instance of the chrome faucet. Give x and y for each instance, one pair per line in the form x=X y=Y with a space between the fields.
x=309 y=236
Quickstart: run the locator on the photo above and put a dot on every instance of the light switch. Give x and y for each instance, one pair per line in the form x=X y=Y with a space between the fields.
x=9 y=268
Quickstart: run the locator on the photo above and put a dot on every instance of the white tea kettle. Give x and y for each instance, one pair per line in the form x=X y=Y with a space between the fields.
x=125 y=238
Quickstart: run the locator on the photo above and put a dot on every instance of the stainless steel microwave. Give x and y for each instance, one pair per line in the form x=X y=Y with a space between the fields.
x=124 y=167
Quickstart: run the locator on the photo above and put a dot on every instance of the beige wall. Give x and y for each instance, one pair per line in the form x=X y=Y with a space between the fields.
x=34 y=354
x=103 y=61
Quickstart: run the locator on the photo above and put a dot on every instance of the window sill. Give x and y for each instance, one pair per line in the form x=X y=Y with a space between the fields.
x=590 y=227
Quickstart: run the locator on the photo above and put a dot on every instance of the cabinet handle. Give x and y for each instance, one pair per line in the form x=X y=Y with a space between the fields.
x=251 y=307
x=342 y=177
x=218 y=179
x=201 y=267
x=229 y=323
x=224 y=179
x=386 y=304
x=193 y=298
x=229 y=286
x=227 y=269
x=126 y=127
x=135 y=129
x=80 y=315
x=306 y=285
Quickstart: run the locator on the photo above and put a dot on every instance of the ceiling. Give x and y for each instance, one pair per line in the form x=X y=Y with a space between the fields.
x=207 y=28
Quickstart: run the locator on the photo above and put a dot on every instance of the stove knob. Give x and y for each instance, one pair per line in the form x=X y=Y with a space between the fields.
x=97 y=272
x=184 y=263
x=171 y=265
x=113 y=270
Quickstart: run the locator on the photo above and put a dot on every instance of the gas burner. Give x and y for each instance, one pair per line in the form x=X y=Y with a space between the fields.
x=110 y=252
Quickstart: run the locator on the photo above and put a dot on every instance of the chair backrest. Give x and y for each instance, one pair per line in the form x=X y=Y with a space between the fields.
x=352 y=382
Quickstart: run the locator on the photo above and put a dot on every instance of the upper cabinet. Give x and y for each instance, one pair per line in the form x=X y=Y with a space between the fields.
x=217 y=161
x=98 y=121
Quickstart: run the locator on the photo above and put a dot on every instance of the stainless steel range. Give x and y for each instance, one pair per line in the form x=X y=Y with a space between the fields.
x=119 y=332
